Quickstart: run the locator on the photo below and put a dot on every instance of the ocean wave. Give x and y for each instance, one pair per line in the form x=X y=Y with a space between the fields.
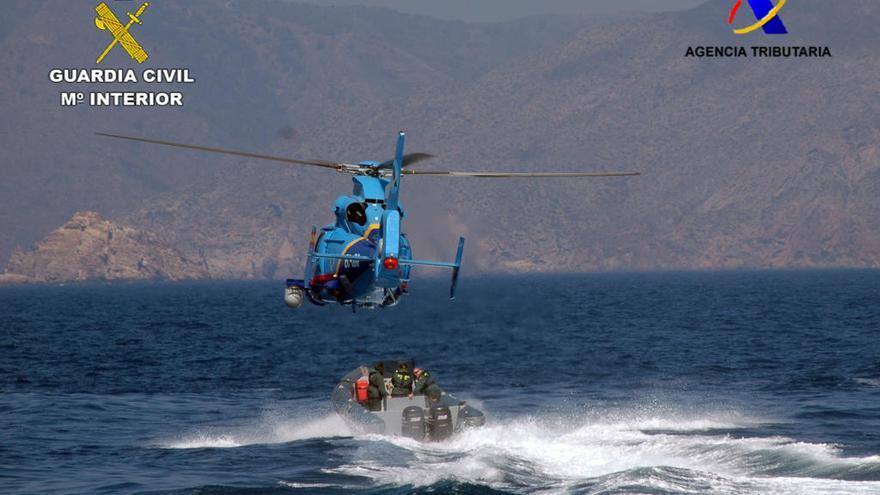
x=870 y=382
x=646 y=451
x=703 y=454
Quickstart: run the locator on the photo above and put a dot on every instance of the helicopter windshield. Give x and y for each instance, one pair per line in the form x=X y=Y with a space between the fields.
x=356 y=213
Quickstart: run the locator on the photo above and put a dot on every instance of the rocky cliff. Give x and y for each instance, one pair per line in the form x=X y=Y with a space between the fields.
x=89 y=247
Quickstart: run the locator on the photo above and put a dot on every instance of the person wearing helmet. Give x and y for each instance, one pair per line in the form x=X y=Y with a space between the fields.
x=376 y=391
x=402 y=381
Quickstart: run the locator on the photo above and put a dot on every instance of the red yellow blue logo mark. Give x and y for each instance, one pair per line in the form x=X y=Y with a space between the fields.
x=766 y=13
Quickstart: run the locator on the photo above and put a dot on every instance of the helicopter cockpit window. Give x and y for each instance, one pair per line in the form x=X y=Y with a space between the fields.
x=356 y=213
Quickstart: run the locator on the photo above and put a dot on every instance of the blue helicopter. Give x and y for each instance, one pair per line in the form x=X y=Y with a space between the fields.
x=364 y=259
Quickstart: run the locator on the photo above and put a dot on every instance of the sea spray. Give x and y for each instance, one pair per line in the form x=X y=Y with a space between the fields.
x=548 y=453
x=268 y=430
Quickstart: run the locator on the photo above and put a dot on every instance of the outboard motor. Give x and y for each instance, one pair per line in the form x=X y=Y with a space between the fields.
x=439 y=423
x=413 y=423
x=469 y=417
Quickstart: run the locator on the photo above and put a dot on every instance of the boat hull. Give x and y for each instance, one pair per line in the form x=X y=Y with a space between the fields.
x=419 y=417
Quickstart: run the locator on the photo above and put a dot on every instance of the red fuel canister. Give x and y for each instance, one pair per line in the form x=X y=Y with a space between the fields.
x=361 y=389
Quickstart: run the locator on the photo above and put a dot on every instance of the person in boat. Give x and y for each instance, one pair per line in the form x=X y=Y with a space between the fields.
x=425 y=384
x=376 y=391
x=402 y=380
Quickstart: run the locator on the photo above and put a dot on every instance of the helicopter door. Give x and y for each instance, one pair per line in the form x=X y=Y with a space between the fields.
x=356 y=213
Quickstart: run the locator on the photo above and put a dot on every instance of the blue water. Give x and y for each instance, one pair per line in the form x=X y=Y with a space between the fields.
x=672 y=383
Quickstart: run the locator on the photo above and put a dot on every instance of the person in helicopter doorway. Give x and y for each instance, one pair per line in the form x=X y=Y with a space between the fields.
x=376 y=392
x=402 y=380
x=425 y=384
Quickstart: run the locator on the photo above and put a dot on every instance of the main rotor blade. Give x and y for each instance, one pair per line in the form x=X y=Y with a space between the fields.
x=246 y=154
x=408 y=160
x=522 y=175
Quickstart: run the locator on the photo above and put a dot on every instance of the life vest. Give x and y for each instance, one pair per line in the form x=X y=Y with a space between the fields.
x=402 y=379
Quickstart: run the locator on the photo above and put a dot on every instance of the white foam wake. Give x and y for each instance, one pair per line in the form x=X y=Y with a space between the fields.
x=696 y=455
x=265 y=431
x=645 y=451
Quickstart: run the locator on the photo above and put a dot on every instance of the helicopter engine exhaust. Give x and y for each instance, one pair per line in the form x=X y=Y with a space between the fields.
x=294 y=296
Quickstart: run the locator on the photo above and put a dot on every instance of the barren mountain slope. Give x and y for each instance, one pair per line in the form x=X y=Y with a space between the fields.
x=747 y=162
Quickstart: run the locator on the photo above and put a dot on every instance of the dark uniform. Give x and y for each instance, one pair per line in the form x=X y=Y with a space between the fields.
x=427 y=386
x=376 y=391
x=402 y=381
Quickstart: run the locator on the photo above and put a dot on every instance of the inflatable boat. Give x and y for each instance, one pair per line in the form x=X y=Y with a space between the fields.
x=434 y=417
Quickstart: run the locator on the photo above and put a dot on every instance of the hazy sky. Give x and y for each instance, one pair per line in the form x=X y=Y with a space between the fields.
x=501 y=10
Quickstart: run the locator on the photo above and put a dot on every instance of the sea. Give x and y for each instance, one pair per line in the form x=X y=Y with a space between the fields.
x=669 y=383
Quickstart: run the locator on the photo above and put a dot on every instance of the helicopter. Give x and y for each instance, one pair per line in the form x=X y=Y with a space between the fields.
x=364 y=259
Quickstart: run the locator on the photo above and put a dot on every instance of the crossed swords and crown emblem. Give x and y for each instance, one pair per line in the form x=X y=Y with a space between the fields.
x=107 y=21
